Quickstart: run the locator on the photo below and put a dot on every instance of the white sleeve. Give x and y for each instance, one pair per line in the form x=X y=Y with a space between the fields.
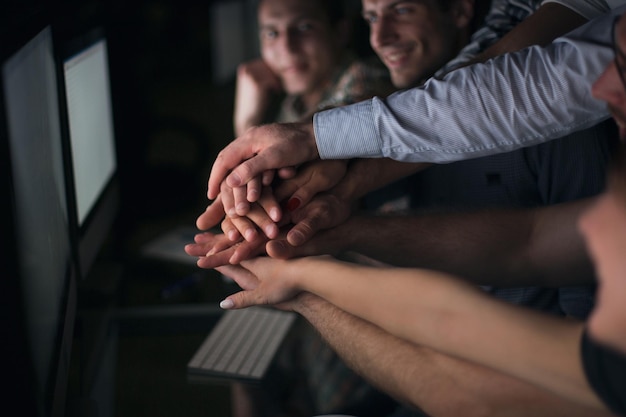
x=515 y=100
x=589 y=8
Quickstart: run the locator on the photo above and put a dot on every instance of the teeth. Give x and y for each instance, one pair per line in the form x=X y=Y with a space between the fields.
x=395 y=56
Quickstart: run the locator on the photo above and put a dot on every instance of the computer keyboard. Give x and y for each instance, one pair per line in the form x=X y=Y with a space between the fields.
x=242 y=344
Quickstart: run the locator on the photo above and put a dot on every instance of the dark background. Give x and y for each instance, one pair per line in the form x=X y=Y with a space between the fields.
x=172 y=107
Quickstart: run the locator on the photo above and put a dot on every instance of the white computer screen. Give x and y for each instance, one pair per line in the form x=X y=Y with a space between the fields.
x=90 y=124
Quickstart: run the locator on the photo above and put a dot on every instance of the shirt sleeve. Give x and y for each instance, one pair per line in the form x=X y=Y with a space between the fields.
x=589 y=9
x=512 y=101
x=606 y=372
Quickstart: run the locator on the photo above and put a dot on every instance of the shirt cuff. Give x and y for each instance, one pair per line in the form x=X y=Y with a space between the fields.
x=347 y=132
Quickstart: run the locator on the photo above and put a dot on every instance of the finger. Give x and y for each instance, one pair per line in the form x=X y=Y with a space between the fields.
x=212 y=216
x=232 y=155
x=254 y=189
x=216 y=260
x=281 y=249
x=270 y=205
x=244 y=278
x=322 y=176
x=248 y=169
x=287 y=173
x=303 y=230
x=228 y=200
x=230 y=230
x=268 y=177
x=259 y=217
x=241 y=299
x=196 y=249
x=206 y=242
x=248 y=250
x=244 y=226
x=242 y=206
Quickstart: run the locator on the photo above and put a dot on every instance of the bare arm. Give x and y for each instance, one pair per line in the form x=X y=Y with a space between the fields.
x=437 y=311
x=549 y=22
x=438 y=384
x=509 y=247
x=256 y=83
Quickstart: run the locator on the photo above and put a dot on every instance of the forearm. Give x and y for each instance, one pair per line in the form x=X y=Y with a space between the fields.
x=366 y=175
x=438 y=384
x=458 y=320
x=458 y=118
x=491 y=247
x=550 y=21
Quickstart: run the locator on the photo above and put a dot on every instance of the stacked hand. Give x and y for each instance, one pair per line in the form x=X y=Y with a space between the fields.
x=248 y=226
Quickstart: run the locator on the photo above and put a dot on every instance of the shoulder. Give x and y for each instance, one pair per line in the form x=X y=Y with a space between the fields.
x=358 y=80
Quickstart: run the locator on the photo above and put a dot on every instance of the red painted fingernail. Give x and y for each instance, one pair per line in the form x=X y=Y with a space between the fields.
x=293 y=204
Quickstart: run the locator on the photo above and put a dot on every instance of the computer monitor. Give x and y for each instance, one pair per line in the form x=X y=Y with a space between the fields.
x=37 y=311
x=94 y=184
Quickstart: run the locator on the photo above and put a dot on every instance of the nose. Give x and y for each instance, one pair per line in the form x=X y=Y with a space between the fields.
x=382 y=32
x=290 y=41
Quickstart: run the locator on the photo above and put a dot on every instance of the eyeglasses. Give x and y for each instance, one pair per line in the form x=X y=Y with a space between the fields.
x=620 y=57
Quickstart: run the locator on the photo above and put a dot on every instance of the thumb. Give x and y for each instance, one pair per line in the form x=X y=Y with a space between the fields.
x=241 y=299
x=281 y=249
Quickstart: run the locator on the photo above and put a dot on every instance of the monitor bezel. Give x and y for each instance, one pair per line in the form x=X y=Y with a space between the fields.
x=90 y=237
x=19 y=368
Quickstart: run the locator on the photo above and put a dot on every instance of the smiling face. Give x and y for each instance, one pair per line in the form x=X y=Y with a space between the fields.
x=299 y=43
x=414 y=38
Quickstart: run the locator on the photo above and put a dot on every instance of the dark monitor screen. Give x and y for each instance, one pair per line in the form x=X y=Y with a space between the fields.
x=38 y=282
x=90 y=128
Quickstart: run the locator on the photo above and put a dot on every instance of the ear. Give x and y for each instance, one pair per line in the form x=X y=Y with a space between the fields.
x=463 y=13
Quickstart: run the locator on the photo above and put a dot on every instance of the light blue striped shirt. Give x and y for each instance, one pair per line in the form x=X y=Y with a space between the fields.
x=512 y=101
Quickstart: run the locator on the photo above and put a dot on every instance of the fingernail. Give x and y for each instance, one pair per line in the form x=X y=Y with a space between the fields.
x=293 y=204
x=295 y=238
x=241 y=208
x=234 y=180
x=250 y=235
x=271 y=230
x=226 y=304
x=275 y=214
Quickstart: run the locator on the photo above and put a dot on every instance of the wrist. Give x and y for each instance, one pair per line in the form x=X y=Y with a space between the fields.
x=307 y=304
x=308 y=128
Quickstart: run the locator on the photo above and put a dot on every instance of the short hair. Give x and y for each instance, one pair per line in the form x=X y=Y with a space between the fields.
x=335 y=10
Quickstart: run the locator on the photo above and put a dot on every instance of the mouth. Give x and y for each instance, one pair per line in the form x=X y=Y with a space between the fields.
x=295 y=68
x=396 y=58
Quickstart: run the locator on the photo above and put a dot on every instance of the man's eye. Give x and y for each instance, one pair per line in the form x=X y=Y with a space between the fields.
x=401 y=10
x=269 y=34
x=370 y=18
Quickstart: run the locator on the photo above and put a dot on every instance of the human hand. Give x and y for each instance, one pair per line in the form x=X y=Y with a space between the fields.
x=310 y=179
x=237 y=200
x=324 y=211
x=256 y=83
x=216 y=249
x=260 y=149
x=265 y=212
x=264 y=281
x=296 y=189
